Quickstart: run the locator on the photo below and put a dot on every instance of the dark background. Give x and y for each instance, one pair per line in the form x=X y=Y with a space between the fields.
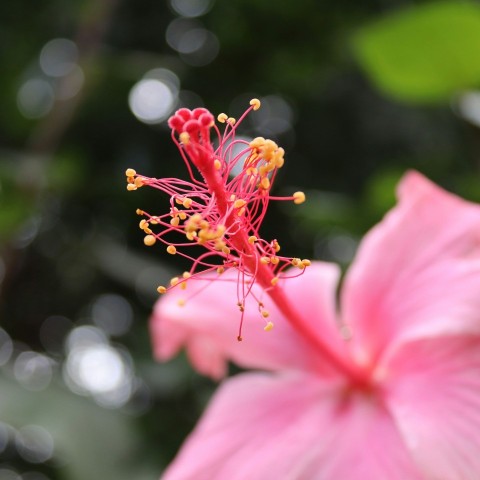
x=356 y=93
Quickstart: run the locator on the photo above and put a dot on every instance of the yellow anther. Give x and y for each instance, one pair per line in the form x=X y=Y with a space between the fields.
x=296 y=262
x=174 y=281
x=276 y=246
x=274 y=281
x=161 y=289
x=139 y=182
x=222 y=117
x=226 y=250
x=265 y=183
x=181 y=302
x=265 y=313
x=217 y=164
x=183 y=285
x=231 y=121
x=139 y=212
x=184 y=138
x=306 y=262
x=175 y=221
x=264 y=260
x=149 y=240
x=257 y=142
x=130 y=172
x=179 y=201
x=241 y=211
x=255 y=103
x=171 y=250
x=239 y=203
x=147 y=231
x=219 y=245
x=131 y=187
x=186 y=275
x=220 y=270
x=191 y=235
x=233 y=197
x=298 y=198
x=274 y=260
x=252 y=239
x=143 y=224
x=241 y=307
x=187 y=202
x=268 y=326
x=154 y=221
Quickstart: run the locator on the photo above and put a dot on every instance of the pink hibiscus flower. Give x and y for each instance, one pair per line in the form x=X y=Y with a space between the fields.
x=396 y=397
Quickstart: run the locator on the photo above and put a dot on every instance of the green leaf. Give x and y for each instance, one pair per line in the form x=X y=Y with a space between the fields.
x=423 y=54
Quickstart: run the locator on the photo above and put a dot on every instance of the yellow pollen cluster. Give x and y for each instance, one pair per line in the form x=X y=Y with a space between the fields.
x=268 y=326
x=186 y=202
x=133 y=182
x=196 y=227
x=301 y=264
x=177 y=215
x=222 y=117
x=298 y=198
x=255 y=103
x=271 y=156
x=149 y=240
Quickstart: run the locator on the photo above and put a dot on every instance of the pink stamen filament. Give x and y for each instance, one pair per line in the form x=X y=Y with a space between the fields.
x=212 y=197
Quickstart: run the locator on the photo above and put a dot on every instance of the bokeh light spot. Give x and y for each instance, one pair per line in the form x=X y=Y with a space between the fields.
x=7 y=474
x=34 y=444
x=85 y=336
x=33 y=370
x=151 y=100
x=112 y=313
x=58 y=57
x=191 y=8
x=101 y=371
x=35 y=98
x=275 y=117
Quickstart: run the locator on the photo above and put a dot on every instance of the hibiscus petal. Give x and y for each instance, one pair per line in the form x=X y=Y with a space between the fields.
x=417 y=272
x=434 y=395
x=292 y=427
x=207 y=325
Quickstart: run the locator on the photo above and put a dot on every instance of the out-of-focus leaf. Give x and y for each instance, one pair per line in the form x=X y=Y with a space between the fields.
x=423 y=54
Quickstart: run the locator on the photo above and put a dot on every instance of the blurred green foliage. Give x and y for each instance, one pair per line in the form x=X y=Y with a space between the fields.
x=424 y=54
x=359 y=92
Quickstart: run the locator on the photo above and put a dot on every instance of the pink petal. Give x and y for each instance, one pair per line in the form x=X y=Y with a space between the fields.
x=416 y=273
x=434 y=396
x=207 y=325
x=292 y=427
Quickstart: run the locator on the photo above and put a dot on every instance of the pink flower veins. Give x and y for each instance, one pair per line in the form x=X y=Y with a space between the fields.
x=401 y=400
